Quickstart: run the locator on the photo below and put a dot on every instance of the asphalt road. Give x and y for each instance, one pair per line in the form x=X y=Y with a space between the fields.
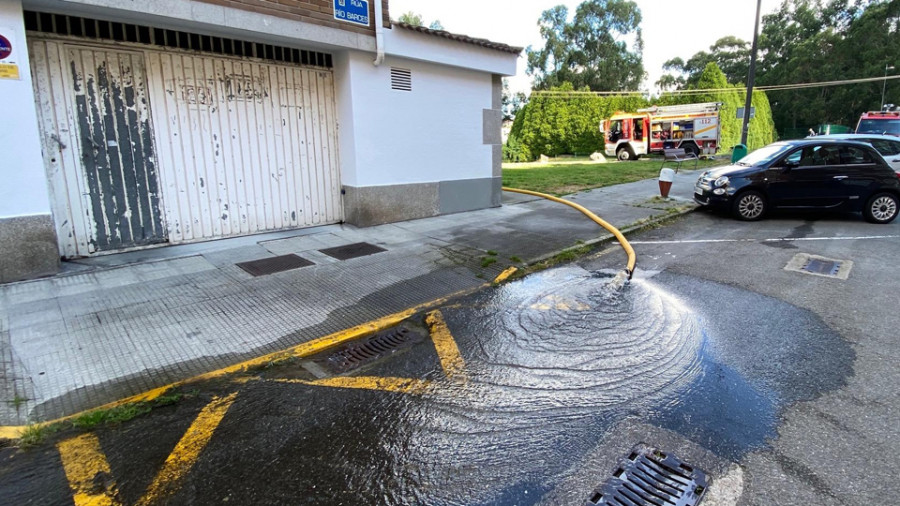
x=781 y=385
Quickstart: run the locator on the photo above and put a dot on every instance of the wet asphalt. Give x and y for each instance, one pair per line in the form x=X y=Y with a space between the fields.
x=781 y=385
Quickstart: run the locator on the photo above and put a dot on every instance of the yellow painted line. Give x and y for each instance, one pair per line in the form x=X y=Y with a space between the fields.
x=707 y=129
x=451 y=360
x=83 y=461
x=299 y=351
x=632 y=258
x=187 y=450
x=505 y=275
x=386 y=384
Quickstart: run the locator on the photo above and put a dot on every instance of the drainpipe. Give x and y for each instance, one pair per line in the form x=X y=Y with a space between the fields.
x=379 y=34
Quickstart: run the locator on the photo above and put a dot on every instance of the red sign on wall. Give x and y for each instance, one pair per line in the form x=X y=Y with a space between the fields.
x=5 y=48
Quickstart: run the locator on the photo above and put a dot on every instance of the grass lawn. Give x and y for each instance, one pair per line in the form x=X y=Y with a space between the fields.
x=561 y=178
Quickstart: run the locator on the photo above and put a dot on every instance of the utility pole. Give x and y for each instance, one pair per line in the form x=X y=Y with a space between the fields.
x=751 y=77
x=884 y=85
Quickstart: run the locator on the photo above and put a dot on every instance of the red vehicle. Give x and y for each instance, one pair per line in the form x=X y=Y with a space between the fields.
x=692 y=127
x=885 y=122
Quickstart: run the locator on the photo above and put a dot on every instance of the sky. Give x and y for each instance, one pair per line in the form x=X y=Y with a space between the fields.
x=670 y=28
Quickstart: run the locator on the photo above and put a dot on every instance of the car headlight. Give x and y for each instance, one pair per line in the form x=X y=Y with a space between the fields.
x=722 y=181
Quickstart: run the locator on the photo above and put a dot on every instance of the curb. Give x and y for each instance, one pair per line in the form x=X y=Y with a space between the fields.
x=604 y=238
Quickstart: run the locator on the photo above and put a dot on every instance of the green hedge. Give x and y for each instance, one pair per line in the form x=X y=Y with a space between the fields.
x=570 y=124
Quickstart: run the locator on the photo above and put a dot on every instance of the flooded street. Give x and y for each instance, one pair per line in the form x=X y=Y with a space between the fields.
x=527 y=393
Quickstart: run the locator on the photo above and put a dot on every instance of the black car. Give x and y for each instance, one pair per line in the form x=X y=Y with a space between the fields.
x=804 y=174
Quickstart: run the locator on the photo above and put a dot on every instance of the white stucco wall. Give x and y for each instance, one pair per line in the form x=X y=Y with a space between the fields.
x=23 y=183
x=405 y=43
x=433 y=133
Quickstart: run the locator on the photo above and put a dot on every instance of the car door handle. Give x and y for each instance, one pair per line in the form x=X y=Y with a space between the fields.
x=895 y=160
x=841 y=177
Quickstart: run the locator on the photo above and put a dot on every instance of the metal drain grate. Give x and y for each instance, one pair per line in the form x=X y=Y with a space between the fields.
x=651 y=477
x=820 y=266
x=349 y=251
x=357 y=354
x=274 y=264
x=823 y=267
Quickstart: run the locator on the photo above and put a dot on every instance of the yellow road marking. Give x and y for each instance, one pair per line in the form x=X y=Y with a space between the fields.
x=451 y=361
x=83 y=461
x=187 y=450
x=299 y=351
x=387 y=384
x=503 y=276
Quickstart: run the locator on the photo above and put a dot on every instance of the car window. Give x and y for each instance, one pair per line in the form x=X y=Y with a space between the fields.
x=817 y=156
x=885 y=147
x=855 y=156
x=793 y=158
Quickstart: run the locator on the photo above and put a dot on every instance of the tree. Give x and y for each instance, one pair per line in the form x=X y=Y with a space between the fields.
x=730 y=54
x=411 y=18
x=414 y=19
x=512 y=102
x=592 y=50
x=815 y=40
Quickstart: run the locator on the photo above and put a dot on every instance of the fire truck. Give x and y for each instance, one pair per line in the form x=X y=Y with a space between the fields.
x=694 y=128
x=885 y=122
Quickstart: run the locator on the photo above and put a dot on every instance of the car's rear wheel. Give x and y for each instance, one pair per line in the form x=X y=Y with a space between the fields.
x=749 y=206
x=881 y=208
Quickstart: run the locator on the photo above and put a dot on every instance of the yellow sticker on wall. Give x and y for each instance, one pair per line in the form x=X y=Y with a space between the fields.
x=9 y=71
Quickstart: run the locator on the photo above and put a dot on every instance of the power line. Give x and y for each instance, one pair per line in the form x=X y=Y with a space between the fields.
x=776 y=87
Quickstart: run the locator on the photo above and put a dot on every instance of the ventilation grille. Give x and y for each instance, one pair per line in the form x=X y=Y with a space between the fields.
x=123 y=32
x=401 y=79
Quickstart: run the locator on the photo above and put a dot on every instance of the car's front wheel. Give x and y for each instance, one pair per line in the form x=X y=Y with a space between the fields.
x=881 y=208
x=749 y=206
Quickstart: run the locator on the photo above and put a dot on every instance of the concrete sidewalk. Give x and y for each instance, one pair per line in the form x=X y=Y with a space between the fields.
x=116 y=326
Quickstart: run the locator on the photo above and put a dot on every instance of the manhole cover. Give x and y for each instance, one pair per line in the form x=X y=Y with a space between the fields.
x=349 y=251
x=274 y=264
x=651 y=477
x=819 y=266
x=359 y=353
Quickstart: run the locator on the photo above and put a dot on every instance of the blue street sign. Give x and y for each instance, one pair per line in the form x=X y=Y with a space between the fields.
x=352 y=11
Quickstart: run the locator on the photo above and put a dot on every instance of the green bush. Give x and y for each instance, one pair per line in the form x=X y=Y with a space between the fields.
x=514 y=151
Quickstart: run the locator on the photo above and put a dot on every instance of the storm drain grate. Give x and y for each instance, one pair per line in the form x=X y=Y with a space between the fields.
x=349 y=251
x=824 y=267
x=820 y=266
x=274 y=264
x=357 y=354
x=651 y=477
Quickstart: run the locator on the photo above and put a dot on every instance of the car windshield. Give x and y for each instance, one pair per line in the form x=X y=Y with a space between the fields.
x=878 y=126
x=763 y=155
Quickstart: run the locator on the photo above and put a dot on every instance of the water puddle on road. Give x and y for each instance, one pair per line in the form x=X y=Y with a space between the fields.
x=552 y=362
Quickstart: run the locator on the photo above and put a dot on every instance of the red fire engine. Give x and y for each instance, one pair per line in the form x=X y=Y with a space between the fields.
x=692 y=127
x=885 y=122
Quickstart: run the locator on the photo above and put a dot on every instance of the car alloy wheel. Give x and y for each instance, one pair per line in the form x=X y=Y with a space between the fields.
x=883 y=208
x=750 y=206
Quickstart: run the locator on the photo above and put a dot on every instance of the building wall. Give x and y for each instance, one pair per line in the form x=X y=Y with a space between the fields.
x=419 y=153
x=319 y=12
x=27 y=238
x=308 y=24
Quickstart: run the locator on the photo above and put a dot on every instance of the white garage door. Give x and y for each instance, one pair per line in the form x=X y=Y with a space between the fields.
x=146 y=147
x=243 y=146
